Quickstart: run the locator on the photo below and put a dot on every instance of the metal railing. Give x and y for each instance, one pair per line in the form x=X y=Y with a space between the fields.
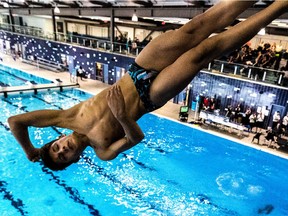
x=259 y=74
x=80 y=40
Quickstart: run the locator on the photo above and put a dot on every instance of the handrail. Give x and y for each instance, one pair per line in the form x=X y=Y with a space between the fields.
x=247 y=66
x=250 y=72
x=5 y=91
x=48 y=62
x=80 y=40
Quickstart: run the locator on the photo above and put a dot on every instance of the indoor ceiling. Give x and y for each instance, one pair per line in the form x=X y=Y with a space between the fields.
x=106 y=3
x=111 y=3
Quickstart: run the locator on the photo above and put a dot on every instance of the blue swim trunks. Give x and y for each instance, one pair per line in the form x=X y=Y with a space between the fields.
x=143 y=79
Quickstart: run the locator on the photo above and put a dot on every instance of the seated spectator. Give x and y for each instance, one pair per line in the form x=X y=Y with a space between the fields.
x=257 y=137
x=278 y=130
x=270 y=136
x=229 y=112
x=206 y=104
x=238 y=114
x=212 y=105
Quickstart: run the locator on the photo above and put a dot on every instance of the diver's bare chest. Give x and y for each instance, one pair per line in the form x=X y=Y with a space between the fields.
x=100 y=142
x=102 y=139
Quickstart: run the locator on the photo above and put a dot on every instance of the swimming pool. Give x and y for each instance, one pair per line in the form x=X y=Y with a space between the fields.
x=176 y=170
x=14 y=77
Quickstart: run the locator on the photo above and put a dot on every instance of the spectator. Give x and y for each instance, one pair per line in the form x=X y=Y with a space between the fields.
x=278 y=130
x=285 y=123
x=135 y=44
x=264 y=56
x=257 y=137
x=212 y=105
x=229 y=112
x=80 y=73
x=270 y=136
x=206 y=104
x=129 y=44
x=238 y=114
x=233 y=57
x=278 y=56
x=259 y=121
x=245 y=118
x=284 y=65
x=252 y=121
x=276 y=119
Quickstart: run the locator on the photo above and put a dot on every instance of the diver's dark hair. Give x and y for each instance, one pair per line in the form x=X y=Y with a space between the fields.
x=47 y=160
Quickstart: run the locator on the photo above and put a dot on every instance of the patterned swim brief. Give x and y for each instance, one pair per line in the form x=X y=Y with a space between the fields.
x=143 y=79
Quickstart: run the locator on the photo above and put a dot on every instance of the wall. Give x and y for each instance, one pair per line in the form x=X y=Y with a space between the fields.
x=85 y=57
x=231 y=91
x=100 y=32
x=39 y=22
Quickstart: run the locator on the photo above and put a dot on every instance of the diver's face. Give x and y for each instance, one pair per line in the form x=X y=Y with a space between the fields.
x=64 y=150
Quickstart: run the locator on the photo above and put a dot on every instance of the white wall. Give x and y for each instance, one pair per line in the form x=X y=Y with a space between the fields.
x=124 y=29
x=279 y=40
x=40 y=22
x=97 y=31
x=76 y=27
x=142 y=33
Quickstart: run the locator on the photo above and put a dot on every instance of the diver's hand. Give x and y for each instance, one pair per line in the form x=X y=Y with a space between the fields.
x=116 y=102
x=133 y=133
x=34 y=154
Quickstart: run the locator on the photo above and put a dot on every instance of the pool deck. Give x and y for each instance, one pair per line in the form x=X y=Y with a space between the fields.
x=170 y=110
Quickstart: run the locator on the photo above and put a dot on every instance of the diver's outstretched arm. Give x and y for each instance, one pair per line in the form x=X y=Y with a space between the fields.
x=42 y=118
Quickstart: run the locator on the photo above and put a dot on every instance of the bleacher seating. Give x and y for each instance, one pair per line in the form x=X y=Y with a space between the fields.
x=45 y=64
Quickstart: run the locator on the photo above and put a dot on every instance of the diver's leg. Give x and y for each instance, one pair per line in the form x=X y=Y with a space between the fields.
x=167 y=47
x=177 y=76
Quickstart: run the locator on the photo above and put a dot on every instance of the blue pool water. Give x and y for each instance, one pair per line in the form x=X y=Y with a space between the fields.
x=176 y=170
x=13 y=77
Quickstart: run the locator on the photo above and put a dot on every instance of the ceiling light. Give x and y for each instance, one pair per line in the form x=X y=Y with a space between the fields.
x=262 y=32
x=134 y=18
x=56 y=9
x=6 y=5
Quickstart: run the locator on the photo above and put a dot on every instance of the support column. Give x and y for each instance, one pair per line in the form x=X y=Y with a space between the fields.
x=112 y=27
x=54 y=25
x=11 y=19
